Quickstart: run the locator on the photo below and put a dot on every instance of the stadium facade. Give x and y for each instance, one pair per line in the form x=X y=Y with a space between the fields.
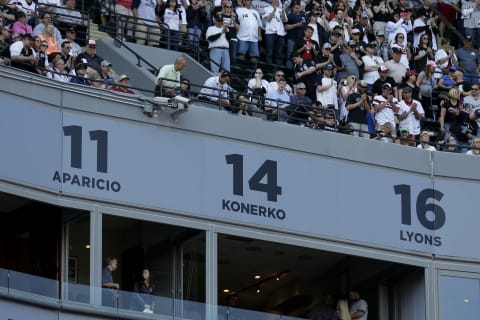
x=208 y=200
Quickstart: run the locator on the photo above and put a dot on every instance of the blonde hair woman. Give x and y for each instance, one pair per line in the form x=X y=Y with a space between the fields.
x=448 y=110
x=343 y=311
x=475 y=147
x=48 y=35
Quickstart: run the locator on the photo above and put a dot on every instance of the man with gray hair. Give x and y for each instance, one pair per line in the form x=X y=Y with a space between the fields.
x=168 y=78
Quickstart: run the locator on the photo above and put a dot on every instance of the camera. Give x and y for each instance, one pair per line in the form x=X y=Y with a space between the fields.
x=163 y=101
x=182 y=102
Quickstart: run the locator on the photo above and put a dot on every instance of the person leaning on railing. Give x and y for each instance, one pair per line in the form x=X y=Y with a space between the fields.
x=168 y=78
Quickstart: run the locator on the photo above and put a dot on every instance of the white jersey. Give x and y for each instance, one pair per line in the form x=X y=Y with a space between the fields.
x=386 y=114
x=275 y=26
x=410 y=121
x=371 y=76
x=250 y=22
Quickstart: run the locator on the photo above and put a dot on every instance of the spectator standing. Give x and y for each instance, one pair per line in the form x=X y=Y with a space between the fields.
x=352 y=61
x=123 y=9
x=358 y=105
x=304 y=72
x=145 y=290
x=411 y=113
x=147 y=29
x=469 y=61
x=426 y=83
x=196 y=17
x=295 y=23
x=382 y=9
x=382 y=49
x=384 y=78
x=425 y=24
x=326 y=88
x=249 y=33
x=218 y=44
x=275 y=33
x=168 y=78
x=410 y=81
x=386 y=106
x=471 y=19
x=464 y=128
x=230 y=19
x=399 y=23
x=109 y=291
x=306 y=46
x=358 y=306
x=396 y=68
x=422 y=53
x=445 y=57
x=472 y=101
x=371 y=64
x=448 y=110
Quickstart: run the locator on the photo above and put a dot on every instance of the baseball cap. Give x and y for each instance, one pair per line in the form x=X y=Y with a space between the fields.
x=337 y=34
x=372 y=44
x=431 y=63
x=328 y=66
x=225 y=74
x=327 y=45
x=218 y=17
x=355 y=31
x=92 y=43
x=404 y=129
x=380 y=33
x=396 y=50
x=383 y=69
x=71 y=29
x=453 y=68
x=106 y=63
x=468 y=38
x=123 y=77
x=363 y=83
x=387 y=86
x=407 y=89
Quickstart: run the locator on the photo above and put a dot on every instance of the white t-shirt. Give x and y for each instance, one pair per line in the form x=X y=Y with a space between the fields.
x=274 y=26
x=371 y=76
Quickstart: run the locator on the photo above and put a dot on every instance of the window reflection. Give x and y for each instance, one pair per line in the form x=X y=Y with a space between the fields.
x=459 y=297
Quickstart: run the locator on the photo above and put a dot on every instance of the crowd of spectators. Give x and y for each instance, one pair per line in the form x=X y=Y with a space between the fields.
x=377 y=69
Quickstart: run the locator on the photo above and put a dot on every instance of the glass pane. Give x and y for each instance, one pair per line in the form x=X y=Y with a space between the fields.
x=33 y=284
x=173 y=256
x=78 y=260
x=459 y=297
